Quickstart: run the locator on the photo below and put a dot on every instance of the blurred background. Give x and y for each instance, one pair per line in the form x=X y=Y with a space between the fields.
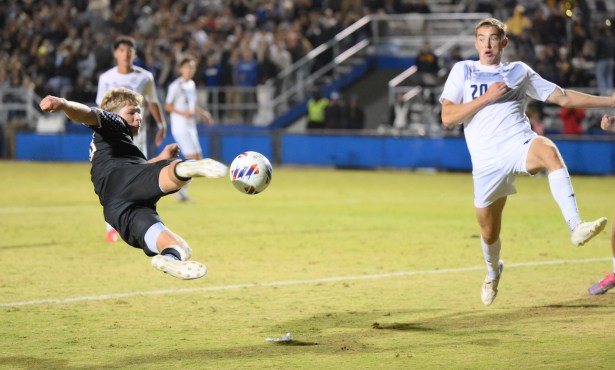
x=344 y=83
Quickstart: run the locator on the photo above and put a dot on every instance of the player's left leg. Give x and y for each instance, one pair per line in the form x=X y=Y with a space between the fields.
x=172 y=253
x=543 y=154
x=490 y=221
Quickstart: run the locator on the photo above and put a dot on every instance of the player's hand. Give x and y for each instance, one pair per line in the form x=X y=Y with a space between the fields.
x=170 y=151
x=207 y=118
x=160 y=134
x=608 y=123
x=52 y=104
x=495 y=91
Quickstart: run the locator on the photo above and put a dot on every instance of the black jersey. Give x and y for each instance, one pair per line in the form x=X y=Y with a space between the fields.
x=112 y=147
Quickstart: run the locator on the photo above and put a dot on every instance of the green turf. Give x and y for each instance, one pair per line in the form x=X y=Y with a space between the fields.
x=314 y=256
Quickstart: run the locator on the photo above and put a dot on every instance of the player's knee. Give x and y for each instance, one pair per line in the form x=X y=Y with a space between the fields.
x=549 y=152
x=490 y=238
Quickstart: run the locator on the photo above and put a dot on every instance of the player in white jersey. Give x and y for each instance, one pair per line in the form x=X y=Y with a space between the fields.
x=181 y=103
x=603 y=286
x=490 y=97
x=126 y=74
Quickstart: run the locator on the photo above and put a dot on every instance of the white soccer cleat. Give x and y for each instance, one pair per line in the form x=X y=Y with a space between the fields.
x=584 y=231
x=185 y=270
x=206 y=167
x=490 y=286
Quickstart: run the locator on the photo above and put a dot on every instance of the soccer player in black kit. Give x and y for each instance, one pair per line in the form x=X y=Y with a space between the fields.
x=128 y=185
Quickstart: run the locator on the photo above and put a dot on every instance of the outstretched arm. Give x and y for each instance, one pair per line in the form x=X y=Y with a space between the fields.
x=575 y=99
x=74 y=111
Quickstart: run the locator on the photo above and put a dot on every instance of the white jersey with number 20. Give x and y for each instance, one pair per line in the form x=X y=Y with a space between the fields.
x=500 y=127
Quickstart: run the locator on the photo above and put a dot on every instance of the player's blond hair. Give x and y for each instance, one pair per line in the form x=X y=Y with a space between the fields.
x=492 y=22
x=119 y=97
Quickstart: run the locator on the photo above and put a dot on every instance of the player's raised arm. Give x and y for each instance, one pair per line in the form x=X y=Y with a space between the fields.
x=74 y=111
x=608 y=123
x=575 y=99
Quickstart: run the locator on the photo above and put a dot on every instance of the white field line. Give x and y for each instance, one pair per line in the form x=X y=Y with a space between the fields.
x=292 y=282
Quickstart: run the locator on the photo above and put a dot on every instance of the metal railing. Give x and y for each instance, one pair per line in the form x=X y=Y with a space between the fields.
x=392 y=34
x=19 y=103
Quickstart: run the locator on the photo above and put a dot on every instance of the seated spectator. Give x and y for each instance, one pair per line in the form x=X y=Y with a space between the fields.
x=572 y=120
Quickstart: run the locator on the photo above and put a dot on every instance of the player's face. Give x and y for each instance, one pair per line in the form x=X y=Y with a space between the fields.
x=124 y=56
x=489 y=45
x=132 y=115
x=187 y=70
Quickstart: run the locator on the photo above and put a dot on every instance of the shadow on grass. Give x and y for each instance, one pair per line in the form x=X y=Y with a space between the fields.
x=346 y=332
x=25 y=246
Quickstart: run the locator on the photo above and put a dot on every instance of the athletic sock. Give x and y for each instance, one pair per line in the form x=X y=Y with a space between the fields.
x=180 y=170
x=171 y=253
x=614 y=265
x=561 y=189
x=492 y=257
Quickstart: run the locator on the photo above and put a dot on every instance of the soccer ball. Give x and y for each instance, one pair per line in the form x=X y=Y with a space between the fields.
x=251 y=172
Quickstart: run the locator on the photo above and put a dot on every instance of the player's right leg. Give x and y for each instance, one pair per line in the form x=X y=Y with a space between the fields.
x=178 y=173
x=182 y=194
x=490 y=221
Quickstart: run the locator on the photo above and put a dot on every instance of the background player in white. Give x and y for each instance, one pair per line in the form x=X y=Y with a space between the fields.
x=126 y=74
x=603 y=286
x=181 y=103
x=490 y=97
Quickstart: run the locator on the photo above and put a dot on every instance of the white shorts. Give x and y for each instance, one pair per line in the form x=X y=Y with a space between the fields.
x=496 y=180
x=187 y=137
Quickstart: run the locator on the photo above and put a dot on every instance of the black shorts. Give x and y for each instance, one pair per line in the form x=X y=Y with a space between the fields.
x=130 y=196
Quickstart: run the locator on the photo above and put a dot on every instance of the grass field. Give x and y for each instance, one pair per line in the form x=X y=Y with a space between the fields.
x=365 y=269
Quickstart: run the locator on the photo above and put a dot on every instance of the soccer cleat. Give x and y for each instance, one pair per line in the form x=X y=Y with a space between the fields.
x=112 y=236
x=584 y=231
x=603 y=285
x=490 y=286
x=180 y=269
x=206 y=167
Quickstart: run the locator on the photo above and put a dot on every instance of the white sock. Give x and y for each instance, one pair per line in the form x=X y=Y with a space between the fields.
x=492 y=257
x=561 y=188
x=109 y=227
x=182 y=193
x=614 y=265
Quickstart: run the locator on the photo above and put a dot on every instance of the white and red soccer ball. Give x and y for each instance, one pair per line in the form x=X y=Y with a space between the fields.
x=251 y=172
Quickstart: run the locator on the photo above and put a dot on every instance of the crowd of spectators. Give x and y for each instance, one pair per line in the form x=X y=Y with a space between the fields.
x=59 y=45
x=53 y=44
